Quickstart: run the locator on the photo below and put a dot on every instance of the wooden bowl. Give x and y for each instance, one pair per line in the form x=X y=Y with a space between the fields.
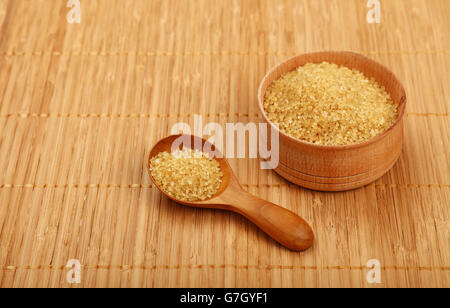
x=339 y=168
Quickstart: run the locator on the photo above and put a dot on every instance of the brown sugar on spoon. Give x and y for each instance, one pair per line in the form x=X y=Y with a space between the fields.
x=212 y=184
x=186 y=175
x=328 y=104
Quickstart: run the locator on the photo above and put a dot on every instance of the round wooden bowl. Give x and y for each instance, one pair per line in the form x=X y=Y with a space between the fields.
x=339 y=168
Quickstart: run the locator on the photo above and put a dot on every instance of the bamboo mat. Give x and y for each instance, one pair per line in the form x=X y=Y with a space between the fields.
x=82 y=104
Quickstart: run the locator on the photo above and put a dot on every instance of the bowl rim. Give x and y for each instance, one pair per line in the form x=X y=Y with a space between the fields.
x=402 y=103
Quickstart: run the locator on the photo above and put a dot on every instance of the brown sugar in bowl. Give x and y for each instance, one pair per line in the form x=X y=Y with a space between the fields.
x=342 y=167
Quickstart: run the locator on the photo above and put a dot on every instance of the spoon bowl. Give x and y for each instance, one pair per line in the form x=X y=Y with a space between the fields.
x=282 y=225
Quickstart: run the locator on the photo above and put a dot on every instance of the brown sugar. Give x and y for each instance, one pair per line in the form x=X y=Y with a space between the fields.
x=329 y=104
x=186 y=175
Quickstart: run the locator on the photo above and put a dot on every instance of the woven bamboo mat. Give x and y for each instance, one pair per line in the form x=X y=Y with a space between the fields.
x=82 y=104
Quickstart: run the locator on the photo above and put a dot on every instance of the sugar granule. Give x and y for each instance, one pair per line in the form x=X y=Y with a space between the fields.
x=329 y=104
x=186 y=175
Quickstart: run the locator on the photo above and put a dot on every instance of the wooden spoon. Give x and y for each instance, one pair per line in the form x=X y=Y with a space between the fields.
x=281 y=224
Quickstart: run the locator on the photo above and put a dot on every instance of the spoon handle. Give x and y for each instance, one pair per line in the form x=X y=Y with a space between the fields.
x=287 y=228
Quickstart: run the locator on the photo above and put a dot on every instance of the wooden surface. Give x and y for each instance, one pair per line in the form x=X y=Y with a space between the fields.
x=82 y=104
x=344 y=167
x=284 y=226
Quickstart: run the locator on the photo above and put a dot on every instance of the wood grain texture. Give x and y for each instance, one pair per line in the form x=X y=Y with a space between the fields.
x=284 y=226
x=338 y=168
x=82 y=104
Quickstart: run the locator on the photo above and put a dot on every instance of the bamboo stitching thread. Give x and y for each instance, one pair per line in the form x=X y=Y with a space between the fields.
x=163 y=115
x=222 y=266
x=148 y=186
x=203 y=53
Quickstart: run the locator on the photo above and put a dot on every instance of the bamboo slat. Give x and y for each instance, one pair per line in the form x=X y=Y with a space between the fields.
x=82 y=104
